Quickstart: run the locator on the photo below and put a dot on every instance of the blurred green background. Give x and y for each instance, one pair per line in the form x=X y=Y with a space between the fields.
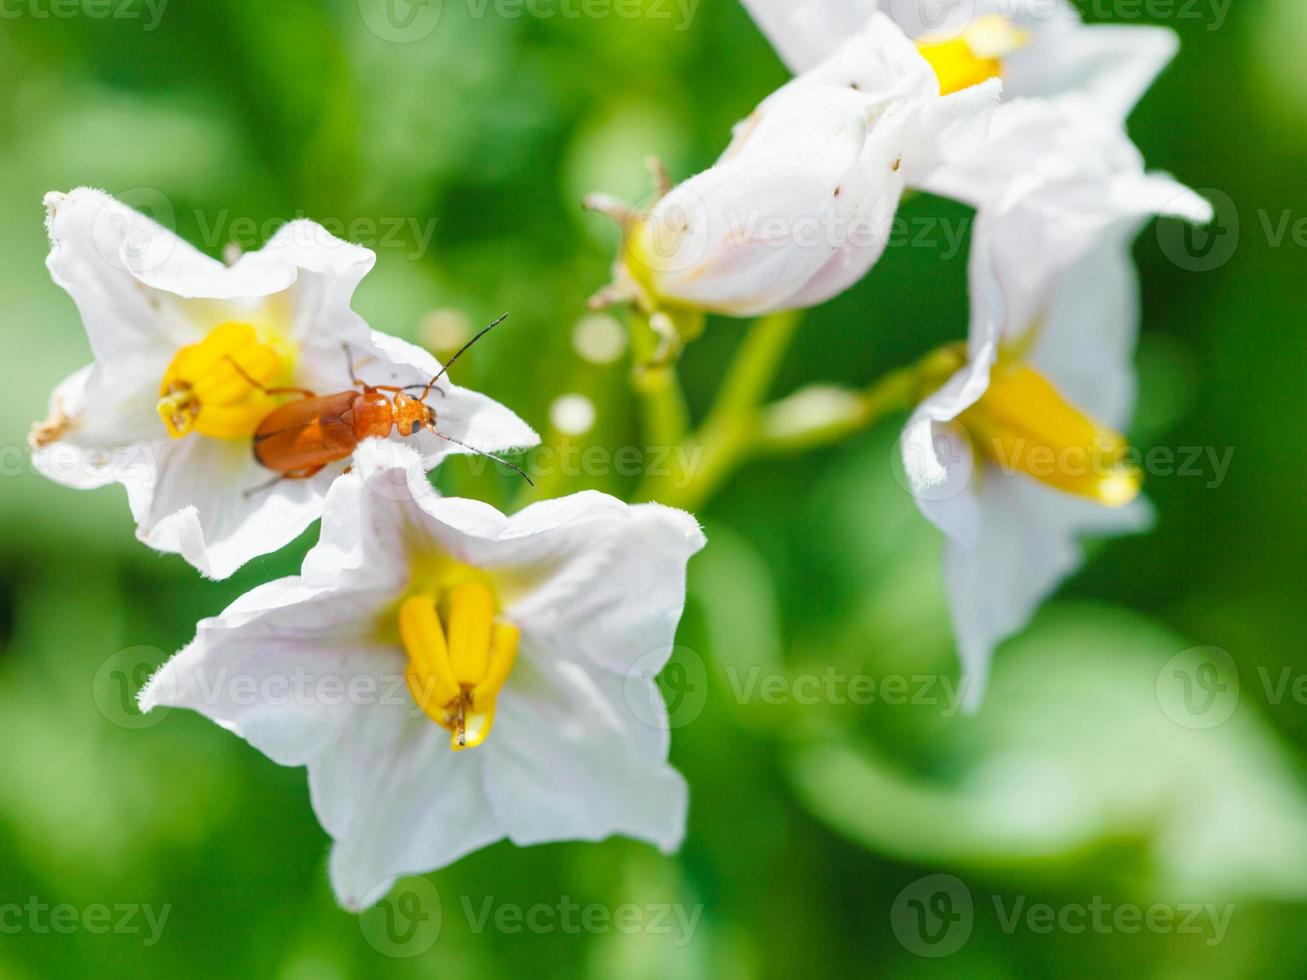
x=461 y=155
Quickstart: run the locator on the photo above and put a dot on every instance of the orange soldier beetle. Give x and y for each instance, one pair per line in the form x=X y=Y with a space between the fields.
x=298 y=439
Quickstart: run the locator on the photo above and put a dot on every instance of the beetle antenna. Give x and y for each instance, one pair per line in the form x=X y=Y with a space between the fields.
x=481 y=452
x=457 y=354
x=349 y=361
x=247 y=494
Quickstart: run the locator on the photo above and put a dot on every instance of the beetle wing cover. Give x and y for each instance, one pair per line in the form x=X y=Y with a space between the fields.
x=307 y=433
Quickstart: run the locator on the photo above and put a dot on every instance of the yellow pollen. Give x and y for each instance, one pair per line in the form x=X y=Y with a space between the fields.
x=976 y=55
x=1023 y=424
x=207 y=387
x=456 y=671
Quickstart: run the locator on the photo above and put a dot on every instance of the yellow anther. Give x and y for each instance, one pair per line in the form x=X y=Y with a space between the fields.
x=429 y=675
x=475 y=727
x=213 y=387
x=456 y=673
x=503 y=654
x=1023 y=424
x=471 y=621
x=976 y=55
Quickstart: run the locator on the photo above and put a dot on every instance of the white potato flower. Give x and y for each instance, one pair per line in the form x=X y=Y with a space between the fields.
x=184 y=349
x=801 y=203
x=490 y=676
x=1039 y=48
x=1019 y=452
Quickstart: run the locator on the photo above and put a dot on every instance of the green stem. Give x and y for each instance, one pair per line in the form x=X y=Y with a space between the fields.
x=664 y=417
x=705 y=461
x=821 y=416
x=739 y=429
x=751 y=374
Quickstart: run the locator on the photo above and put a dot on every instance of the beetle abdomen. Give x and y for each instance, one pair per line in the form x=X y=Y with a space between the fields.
x=308 y=433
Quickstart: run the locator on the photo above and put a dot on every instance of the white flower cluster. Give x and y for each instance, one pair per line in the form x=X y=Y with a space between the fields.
x=240 y=403
x=212 y=379
x=1015 y=450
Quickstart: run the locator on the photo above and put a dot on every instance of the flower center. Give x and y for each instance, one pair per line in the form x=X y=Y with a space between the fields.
x=456 y=670
x=1023 y=424
x=213 y=387
x=974 y=56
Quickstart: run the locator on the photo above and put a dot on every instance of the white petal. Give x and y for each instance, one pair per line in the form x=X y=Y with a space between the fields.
x=878 y=60
x=141 y=289
x=617 y=584
x=937 y=456
x=1111 y=65
x=1067 y=164
x=1086 y=343
x=947 y=129
x=571 y=759
x=98 y=248
x=760 y=224
x=322 y=271
x=294 y=671
x=396 y=800
x=1080 y=179
x=1028 y=543
x=200 y=507
x=112 y=433
x=804 y=32
x=285 y=667
x=586 y=576
x=875 y=187
x=372 y=522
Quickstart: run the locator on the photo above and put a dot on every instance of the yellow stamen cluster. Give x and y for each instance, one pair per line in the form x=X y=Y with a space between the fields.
x=1023 y=424
x=457 y=669
x=213 y=387
x=974 y=56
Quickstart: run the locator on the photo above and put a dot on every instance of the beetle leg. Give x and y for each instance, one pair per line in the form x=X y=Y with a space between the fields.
x=256 y=383
x=262 y=486
x=399 y=388
x=301 y=474
x=438 y=391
